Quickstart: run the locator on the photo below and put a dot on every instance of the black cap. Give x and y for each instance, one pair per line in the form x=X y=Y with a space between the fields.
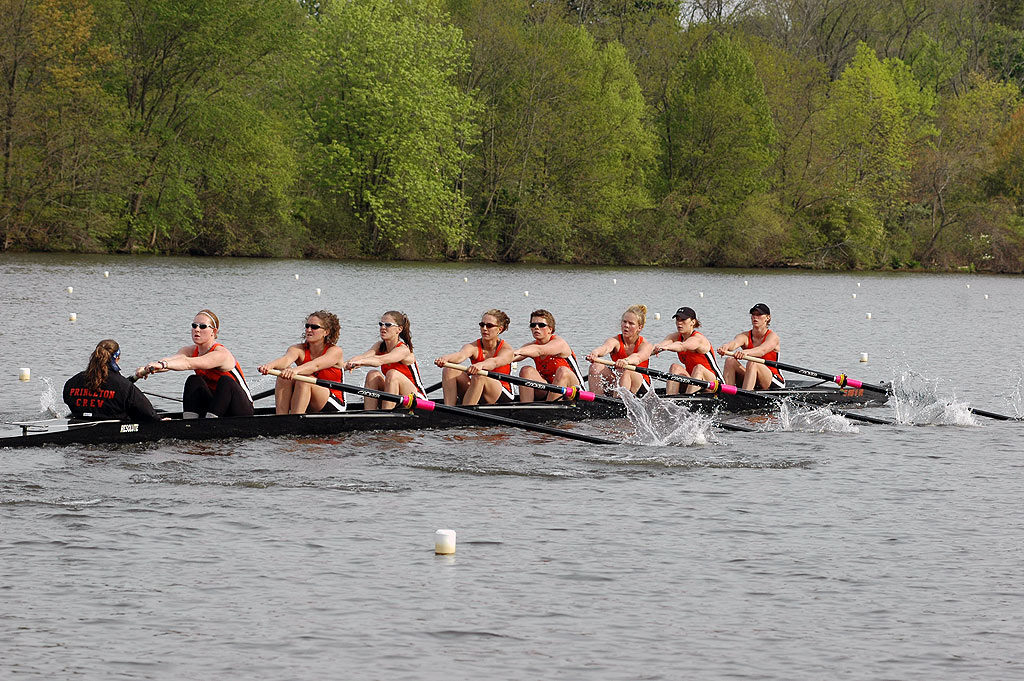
x=685 y=313
x=760 y=308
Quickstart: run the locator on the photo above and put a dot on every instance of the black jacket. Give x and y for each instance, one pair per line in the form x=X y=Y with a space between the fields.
x=117 y=398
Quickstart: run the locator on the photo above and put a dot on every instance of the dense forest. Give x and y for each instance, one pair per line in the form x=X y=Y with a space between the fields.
x=764 y=133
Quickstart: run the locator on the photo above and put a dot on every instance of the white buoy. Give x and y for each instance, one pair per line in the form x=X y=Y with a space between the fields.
x=526 y=293
x=745 y=282
x=24 y=374
x=465 y=279
x=863 y=356
x=657 y=315
x=858 y=284
x=296 y=276
x=968 y=286
x=72 y=317
x=701 y=294
x=444 y=542
x=854 y=295
x=868 y=315
x=106 y=274
x=615 y=281
x=318 y=291
x=71 y=289
x=986 y=296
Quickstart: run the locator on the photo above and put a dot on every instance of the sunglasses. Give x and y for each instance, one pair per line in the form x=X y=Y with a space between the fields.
x=201 y=326
x=538 y=325
x=314 y=326
x=386 y=324
x=485 y=325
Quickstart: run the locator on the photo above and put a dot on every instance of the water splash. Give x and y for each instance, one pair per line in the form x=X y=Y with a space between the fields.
x=1017 y=396
x=793 y=417
x=51 y=402
x=661 y=422
x=915 y=400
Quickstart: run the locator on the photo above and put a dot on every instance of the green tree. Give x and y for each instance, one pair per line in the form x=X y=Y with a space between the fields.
x=559 y=173
x=387 y=125
x=717 y=148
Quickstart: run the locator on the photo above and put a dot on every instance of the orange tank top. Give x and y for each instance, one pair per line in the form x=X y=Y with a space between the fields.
x=336 y=374
x=622 y=353
x=505 y=369
x=211 y=376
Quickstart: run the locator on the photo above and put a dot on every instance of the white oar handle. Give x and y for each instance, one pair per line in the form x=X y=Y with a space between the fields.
x=732 y=353
x=609 y=363
x=458 y=367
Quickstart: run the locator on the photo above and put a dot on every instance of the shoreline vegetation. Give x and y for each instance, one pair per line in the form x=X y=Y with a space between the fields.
x=781 y=134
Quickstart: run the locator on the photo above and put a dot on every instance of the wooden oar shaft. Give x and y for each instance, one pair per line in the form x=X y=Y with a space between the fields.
x=717 y=387
x=571 y=392
x=413 y=402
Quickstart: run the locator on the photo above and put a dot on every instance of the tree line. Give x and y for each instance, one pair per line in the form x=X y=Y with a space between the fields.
x=756 y=133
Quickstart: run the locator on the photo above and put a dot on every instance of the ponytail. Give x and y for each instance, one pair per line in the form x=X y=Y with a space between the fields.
x=99 y=364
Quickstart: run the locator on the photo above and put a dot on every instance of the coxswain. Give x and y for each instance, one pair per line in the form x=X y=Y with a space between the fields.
x=629 y=347
x=555 y=360
x=394 y=367
x=101 y=392
x=695 y=353
x=218 y=385
x=759 y=341
x=318 y=355
x=488 y=353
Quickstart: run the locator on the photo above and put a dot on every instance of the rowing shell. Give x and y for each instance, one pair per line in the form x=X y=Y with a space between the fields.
x=265 y=423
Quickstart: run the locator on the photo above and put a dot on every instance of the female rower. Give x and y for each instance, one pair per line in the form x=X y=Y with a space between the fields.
x=555 y=360
x=629 y=347
x=695 y=352
x=101 y=392
x=218 y=386
x=318 y=355
x=759 y=341
x=488 y=353
x=397 y=371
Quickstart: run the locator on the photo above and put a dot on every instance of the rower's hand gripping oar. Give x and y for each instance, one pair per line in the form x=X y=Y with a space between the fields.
x=413 y=402
x=843 y=381
x=718 y=388
x=572 y=392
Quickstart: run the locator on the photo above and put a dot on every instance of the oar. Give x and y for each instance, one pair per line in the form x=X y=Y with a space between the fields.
x=413 y=402
x=717 y=388
x=576 y=393
x=842 y=380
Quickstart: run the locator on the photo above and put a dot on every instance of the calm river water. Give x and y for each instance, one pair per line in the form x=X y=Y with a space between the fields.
x=817 y=549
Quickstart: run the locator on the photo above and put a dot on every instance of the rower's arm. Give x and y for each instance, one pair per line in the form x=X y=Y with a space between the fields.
x=291 y=356
x=506 y=356
x=603 y=349
x=642 y=354
x=769 y=344
x=333 y=356
x=734 y=344
x=456 y=357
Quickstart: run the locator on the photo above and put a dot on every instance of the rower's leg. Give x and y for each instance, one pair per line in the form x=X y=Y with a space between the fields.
x=397 y=383
x=282 y=395
x=196 y=396
x=480 y=386
x=229 y=399
x=704 y=374
x=527 y=394
x=565 y=377
x=631 y=381
x=599 y=378
x=374 y=381
x=754 y=375
x=732 y=371
x=318 y=396
x=453 y=382
x=672 y=387
x=300 y=398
